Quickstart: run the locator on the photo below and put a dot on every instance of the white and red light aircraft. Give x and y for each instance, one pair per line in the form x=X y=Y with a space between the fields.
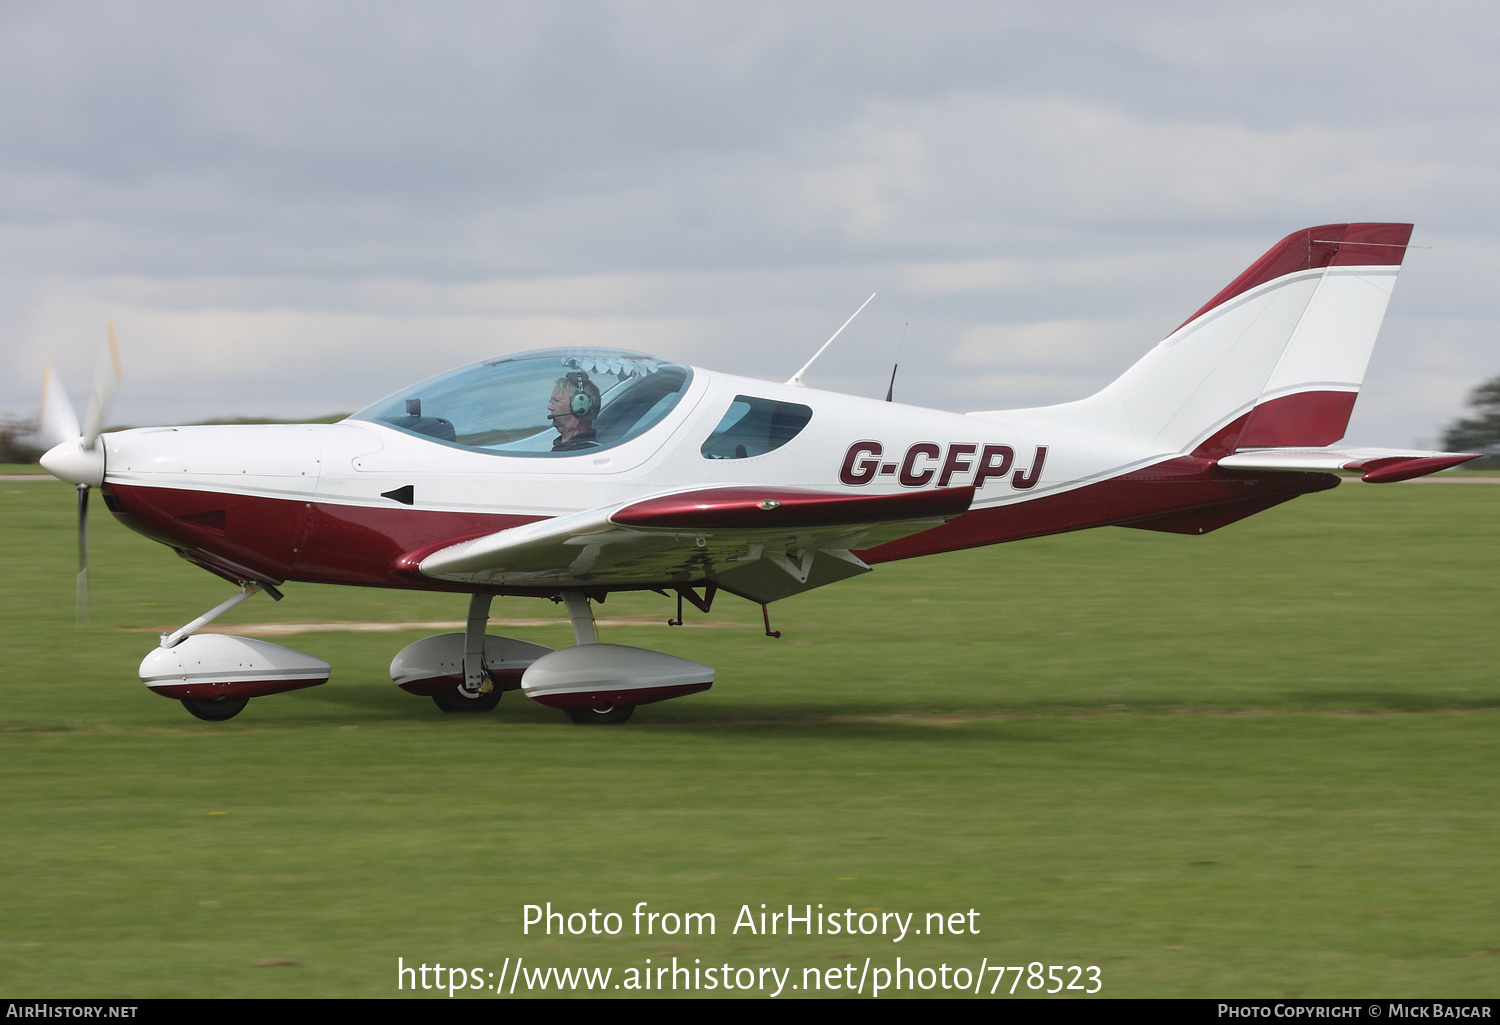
x=570 y=473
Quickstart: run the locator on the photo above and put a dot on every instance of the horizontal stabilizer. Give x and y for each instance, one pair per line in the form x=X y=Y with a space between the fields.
x=1378 y=465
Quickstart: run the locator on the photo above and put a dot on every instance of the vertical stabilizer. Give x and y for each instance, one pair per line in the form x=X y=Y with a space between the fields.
x=1275 y=359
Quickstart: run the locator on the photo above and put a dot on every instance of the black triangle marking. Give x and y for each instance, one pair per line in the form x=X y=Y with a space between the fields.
x=406 y=495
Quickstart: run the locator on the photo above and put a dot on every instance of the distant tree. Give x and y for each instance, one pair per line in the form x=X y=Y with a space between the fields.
x=1481 y=432
x=18 y=440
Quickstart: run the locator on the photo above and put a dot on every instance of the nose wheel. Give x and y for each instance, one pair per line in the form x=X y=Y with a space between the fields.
x=215 y=709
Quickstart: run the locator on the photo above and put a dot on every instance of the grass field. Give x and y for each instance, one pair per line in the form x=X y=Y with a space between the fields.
x=1256 y=763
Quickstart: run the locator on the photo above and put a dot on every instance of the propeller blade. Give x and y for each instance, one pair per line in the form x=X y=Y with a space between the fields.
x=106 y=383
x=83 y=556
x=58 y=421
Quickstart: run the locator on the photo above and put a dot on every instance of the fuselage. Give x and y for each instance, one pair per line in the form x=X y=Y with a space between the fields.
x=363 y=501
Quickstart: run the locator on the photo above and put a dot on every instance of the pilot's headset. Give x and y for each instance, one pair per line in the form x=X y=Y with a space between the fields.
x=585 y=400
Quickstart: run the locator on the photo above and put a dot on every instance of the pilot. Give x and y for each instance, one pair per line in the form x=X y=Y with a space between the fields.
x=572 y=408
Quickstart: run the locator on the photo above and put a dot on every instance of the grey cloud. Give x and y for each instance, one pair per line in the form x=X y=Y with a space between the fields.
x=323 y=183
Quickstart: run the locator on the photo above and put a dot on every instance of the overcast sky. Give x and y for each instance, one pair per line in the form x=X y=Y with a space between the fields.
x=295 y=209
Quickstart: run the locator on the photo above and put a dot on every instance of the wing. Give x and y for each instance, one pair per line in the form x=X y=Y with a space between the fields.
x=1379 y=465
x=762 y=543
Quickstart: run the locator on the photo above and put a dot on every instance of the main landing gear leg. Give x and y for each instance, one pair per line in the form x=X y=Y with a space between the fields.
x=584 y=632
x=476 y=680
x=478 y=692
x=582 y=615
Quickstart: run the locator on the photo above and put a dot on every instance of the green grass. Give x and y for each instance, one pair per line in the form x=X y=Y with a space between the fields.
x=1255 y=763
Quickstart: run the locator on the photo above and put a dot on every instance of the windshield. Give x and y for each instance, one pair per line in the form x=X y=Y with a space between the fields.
x=556 y=402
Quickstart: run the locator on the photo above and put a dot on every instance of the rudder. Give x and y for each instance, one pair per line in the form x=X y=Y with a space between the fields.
x=1310 y=395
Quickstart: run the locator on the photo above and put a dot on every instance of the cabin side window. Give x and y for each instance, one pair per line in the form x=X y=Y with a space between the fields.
x=753 y=427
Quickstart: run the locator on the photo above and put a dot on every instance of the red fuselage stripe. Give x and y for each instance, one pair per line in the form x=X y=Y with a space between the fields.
x=278 y=539
x=1175 y=486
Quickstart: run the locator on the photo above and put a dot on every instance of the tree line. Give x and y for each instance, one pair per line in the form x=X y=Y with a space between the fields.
x=18 y=441
x=1480 y=432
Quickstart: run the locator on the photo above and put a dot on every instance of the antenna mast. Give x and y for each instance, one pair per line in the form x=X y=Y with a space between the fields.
x=796 y=378
x=896 y=365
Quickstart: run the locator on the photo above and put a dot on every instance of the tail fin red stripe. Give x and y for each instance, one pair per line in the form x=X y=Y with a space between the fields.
x=1312 y=418
x=1328 y=245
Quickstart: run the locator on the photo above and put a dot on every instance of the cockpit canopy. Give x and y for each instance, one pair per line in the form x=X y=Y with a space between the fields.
x=500 y=405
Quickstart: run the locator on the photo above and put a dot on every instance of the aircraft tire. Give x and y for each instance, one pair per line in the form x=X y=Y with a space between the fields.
x=456 y=701
x=609 y=715
x=215 y=709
